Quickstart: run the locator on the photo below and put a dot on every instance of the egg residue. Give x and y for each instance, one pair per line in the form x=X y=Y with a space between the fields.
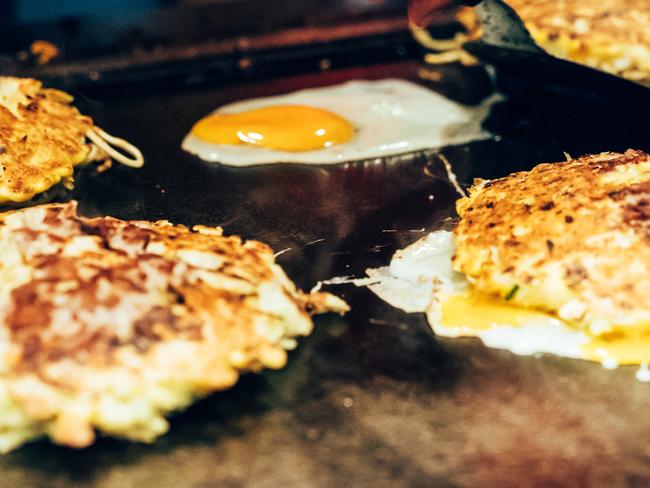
x=420 y=278
x=357 y=120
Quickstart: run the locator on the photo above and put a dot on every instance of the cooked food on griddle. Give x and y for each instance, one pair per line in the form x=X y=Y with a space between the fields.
x=556 y=259
x=358 y=120
x=43 y=137
x=107 y=325
x=574 y=237
x=610 y=35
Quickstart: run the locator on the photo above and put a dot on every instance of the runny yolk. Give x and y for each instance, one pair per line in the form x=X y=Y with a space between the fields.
x=477 y=311
x=471 y=313
x=624 y=345
x=282 y=127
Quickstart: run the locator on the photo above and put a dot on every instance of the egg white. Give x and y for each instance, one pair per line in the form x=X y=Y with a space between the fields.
x=390 y=116
x=420 y=276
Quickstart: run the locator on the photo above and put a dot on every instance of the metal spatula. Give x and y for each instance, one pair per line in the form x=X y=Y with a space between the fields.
x=507 y=45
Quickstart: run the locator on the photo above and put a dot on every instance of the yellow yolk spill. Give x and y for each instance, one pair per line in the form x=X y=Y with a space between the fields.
x=282 y=127
x=625 y=345
x=477 y=311
x=471 y=313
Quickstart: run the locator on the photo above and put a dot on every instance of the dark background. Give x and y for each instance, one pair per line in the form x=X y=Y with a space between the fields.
x=83 y=28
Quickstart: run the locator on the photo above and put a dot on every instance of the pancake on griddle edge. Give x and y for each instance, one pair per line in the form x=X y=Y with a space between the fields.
x=108 y=325
x=570 y=238
x=43 y=137
x=610 y=35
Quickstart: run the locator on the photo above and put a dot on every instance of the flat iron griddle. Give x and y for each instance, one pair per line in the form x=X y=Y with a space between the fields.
x=374 y=398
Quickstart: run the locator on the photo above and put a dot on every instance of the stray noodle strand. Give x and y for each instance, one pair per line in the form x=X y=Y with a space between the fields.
x=107 y=143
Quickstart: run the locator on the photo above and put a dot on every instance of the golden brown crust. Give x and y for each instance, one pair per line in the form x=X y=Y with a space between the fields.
x=84 y=301
x=602 y=21
x=611 y=35
x=572 y=237
x=42 y=138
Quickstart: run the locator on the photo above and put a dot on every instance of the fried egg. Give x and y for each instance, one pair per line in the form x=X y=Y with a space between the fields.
x=420 y=278
x=357 y=120
x=552 y=260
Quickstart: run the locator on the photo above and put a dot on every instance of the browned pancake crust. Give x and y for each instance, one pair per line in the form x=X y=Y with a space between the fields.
x=572 y=238
x=175 y=312
x=610 y=35
x=42 y=138
x=615 y=21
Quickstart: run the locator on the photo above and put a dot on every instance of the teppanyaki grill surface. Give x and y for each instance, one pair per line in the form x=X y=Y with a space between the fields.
x=371 y=399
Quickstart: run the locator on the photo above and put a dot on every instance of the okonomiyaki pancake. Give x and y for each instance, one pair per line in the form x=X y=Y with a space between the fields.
x=43 y=137
x=107 y=325
x=611 y=35
x=570 y=238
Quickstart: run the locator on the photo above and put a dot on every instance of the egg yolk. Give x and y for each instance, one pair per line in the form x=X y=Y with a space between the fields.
x=477 y=312
x=625 y=345
x=471 y=313
x=283 y=127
